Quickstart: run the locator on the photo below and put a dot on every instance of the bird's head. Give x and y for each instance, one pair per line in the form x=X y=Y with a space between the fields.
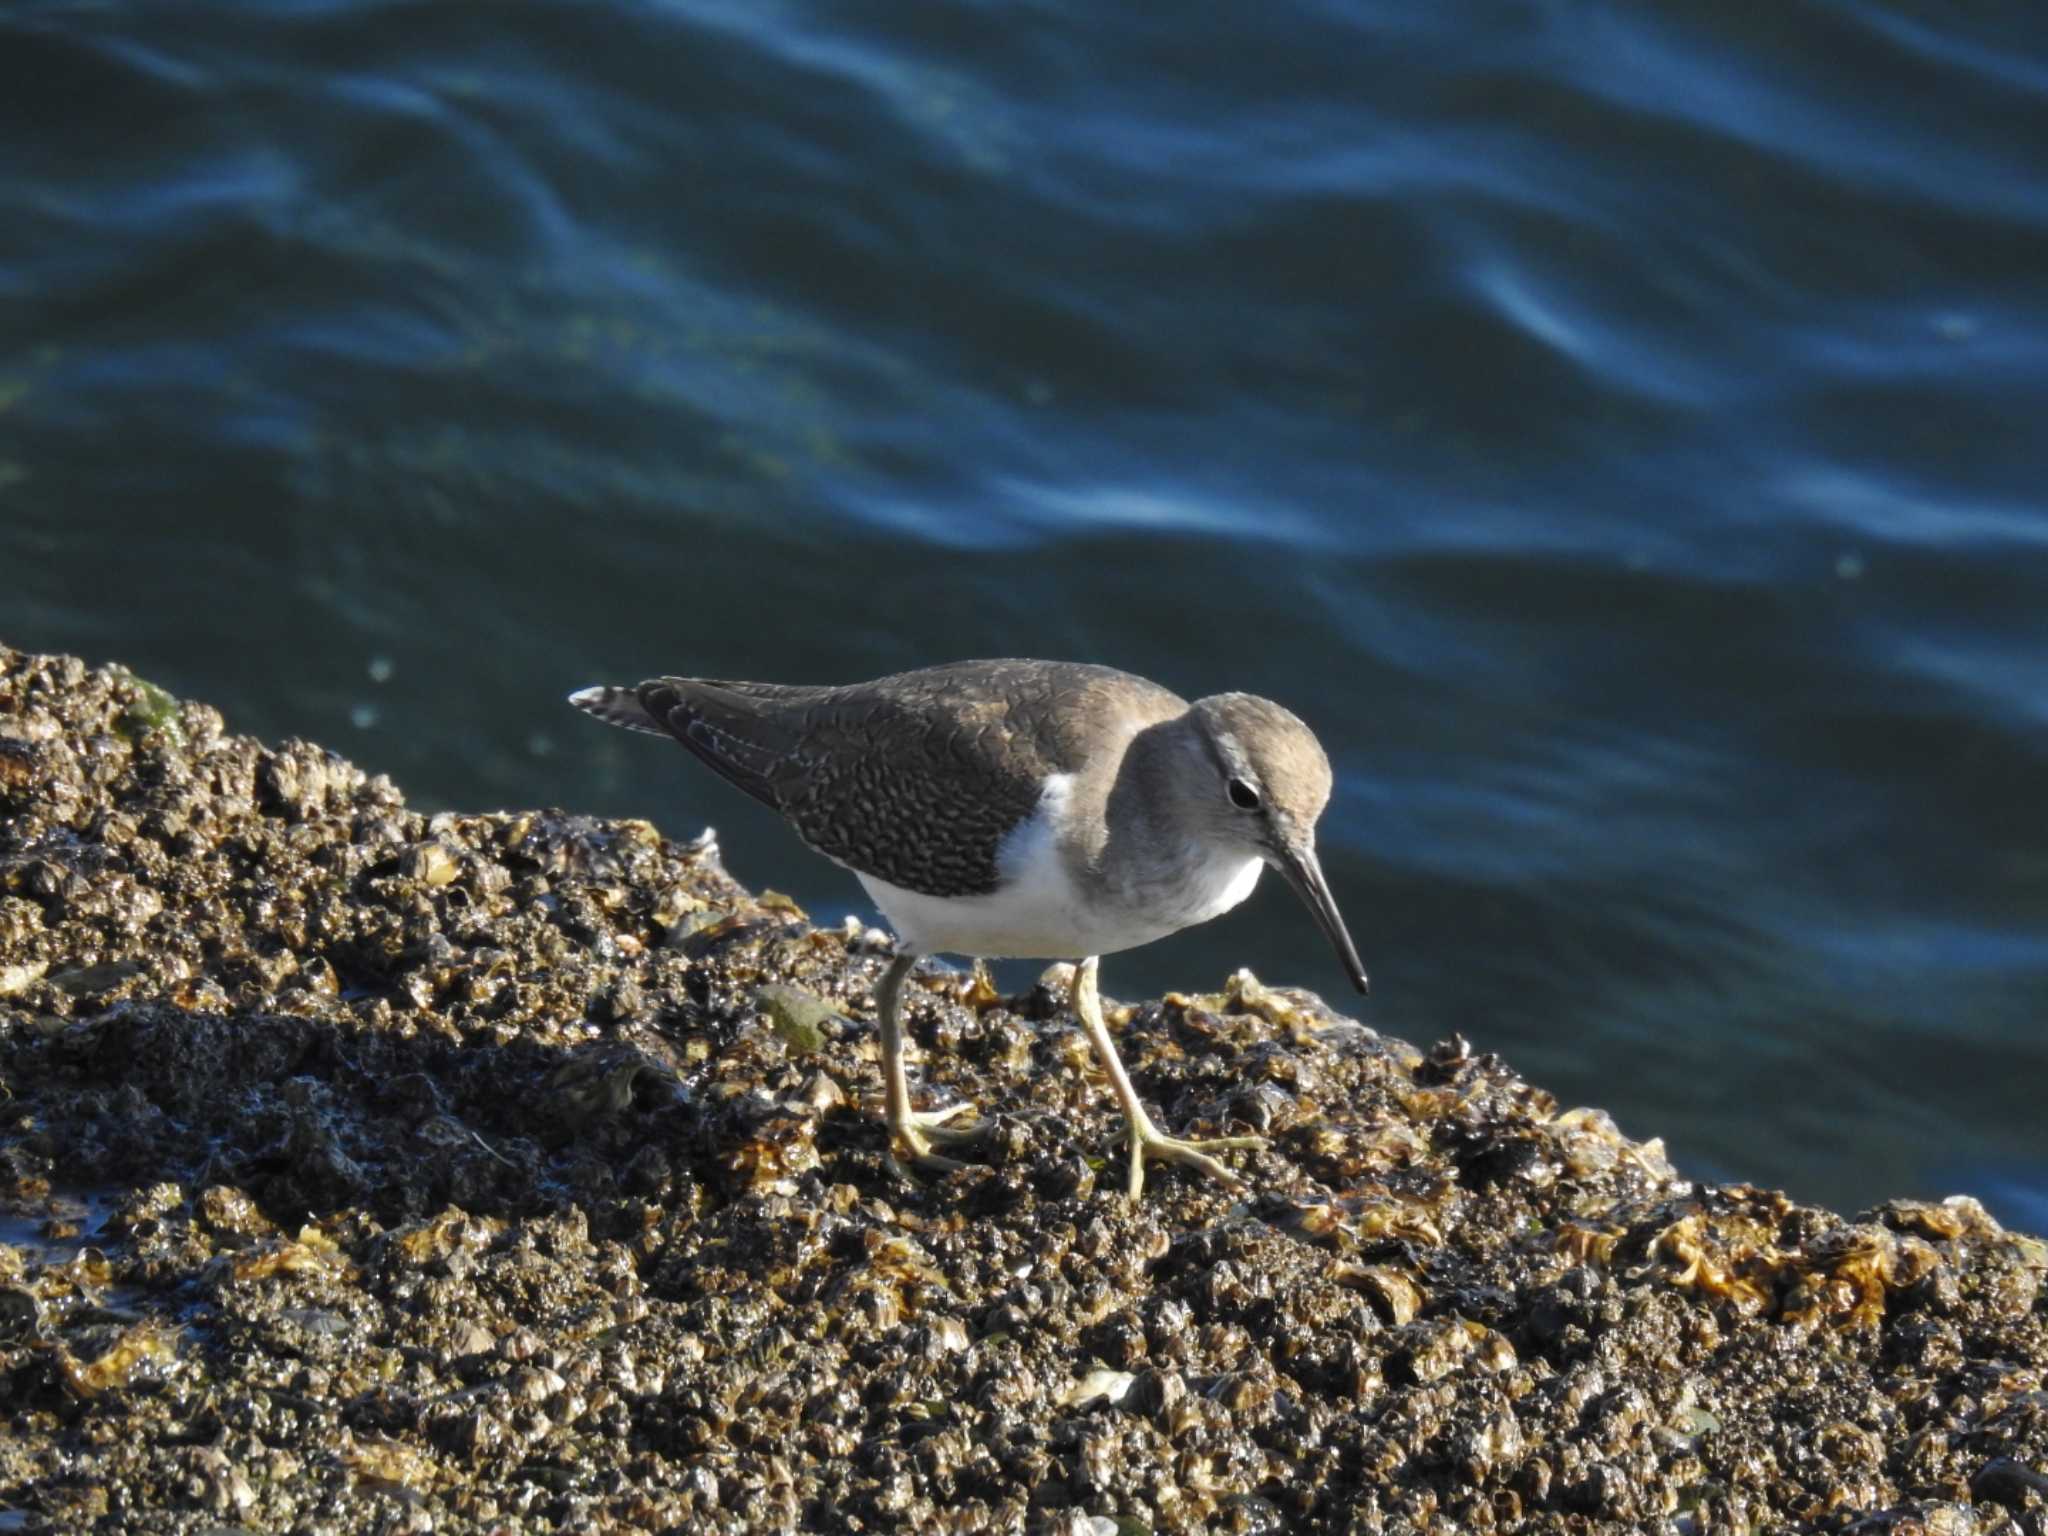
x=1266 y=787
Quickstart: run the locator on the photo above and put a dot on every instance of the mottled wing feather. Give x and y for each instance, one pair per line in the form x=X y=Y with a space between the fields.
x=907 y=790
x=914 y=779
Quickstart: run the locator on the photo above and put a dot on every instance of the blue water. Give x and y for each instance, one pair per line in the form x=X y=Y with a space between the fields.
x=1617 y=430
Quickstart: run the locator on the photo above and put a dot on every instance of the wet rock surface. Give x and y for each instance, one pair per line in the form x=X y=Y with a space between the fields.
x=368 y=1170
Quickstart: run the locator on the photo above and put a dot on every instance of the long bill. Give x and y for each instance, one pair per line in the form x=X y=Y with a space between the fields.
x=1296 y=859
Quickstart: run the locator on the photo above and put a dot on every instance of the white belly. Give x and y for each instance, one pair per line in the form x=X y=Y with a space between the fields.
x=1041 y=913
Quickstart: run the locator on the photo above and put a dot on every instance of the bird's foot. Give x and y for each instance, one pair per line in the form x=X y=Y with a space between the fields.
x=1150 y=1144
x=917 y=1130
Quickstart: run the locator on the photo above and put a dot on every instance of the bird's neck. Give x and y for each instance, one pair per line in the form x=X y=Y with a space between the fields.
x=1140 y=852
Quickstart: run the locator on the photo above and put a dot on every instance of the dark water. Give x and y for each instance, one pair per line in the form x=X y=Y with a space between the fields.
x=1617 y=429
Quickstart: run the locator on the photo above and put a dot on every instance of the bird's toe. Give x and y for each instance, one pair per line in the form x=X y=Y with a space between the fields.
x=918 y=1132
x=1151 y=1145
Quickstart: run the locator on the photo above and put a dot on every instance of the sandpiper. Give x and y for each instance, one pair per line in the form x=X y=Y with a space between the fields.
x=1023 y=810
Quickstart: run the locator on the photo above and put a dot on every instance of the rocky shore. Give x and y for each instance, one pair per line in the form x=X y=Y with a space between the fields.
x=362 y=1170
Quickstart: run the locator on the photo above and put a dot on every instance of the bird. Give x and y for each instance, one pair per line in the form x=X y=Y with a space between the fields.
x=1020 y=809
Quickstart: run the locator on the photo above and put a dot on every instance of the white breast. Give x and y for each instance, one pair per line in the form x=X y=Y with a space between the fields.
x=1041 y=913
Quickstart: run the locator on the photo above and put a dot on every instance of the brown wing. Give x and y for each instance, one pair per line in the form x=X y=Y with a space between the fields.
x=915 y=778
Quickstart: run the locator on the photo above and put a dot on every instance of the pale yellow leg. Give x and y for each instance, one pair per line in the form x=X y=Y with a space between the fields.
x=915 y=1130
x=1147 y=1140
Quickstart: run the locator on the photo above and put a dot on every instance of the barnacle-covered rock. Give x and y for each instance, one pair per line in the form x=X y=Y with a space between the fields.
x=361 y=1169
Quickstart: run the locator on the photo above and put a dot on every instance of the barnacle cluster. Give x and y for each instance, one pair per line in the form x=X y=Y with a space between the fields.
x=368 y=1170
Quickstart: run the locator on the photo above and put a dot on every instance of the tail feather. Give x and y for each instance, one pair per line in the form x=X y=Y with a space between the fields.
x=736 y=730
x=724 y=725
x=618 y=706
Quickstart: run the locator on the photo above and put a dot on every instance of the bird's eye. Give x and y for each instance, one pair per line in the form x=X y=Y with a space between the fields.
x=1243 y=796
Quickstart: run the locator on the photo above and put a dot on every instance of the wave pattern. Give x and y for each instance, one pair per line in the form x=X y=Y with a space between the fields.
x=1617 y=430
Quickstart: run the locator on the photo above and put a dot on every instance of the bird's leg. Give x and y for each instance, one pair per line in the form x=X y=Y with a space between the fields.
x=1147 y=1140
x=915 y=1129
